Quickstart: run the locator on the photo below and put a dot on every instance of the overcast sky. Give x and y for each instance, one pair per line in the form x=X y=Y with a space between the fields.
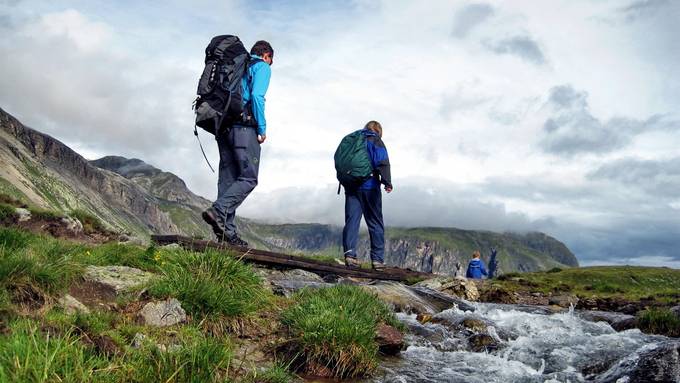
x=557 y=116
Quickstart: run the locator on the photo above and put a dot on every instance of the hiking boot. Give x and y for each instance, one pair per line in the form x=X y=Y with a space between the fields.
x=352 y=263
x=378 y=266
x=210 y=217
x=235 y=240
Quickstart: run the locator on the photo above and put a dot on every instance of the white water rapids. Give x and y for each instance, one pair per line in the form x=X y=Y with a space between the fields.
x=532 y=347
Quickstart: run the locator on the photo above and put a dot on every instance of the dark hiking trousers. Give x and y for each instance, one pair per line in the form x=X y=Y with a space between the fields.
x=368 y=203
x=239 y=165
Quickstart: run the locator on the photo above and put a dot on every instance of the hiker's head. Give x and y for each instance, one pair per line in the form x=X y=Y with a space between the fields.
x=476 y=254
x=375 y=127
x=264 y=50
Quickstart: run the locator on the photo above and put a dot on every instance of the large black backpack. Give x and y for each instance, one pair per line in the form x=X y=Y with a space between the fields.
x=220 y=98
x=352 y=164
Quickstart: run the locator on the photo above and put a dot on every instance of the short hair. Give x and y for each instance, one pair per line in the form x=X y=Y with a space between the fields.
x=476 y=254
x=375 y=127
x=261 y=47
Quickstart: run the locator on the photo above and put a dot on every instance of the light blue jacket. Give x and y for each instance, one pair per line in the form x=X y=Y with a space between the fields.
x=260 y=73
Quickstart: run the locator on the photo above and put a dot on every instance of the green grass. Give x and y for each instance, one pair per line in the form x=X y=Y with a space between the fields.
x=659 y=321
x=47 y=215
x=335 y=327
x=279 y=373
x=203 y=360
x=32 y=264
x=626 y=282
x=7 y=214
x=29 y=355
x=211 y=284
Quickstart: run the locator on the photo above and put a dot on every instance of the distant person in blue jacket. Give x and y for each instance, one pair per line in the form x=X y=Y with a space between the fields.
x=476 y=268
x=367 y=201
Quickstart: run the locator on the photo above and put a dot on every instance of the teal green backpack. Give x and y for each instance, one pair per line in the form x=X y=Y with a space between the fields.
x=352 y=164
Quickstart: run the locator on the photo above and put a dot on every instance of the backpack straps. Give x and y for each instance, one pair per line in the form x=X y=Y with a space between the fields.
x=202 y=151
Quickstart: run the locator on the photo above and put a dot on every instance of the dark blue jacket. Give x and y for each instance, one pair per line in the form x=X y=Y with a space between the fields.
x=475 y=269
x=377 y=152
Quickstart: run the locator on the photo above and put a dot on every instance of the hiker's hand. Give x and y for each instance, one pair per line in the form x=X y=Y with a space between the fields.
x=261 y=138
x=388 y=189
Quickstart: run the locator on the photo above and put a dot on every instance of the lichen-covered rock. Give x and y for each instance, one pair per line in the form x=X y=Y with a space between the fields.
x=118 y=279
x=23 y=214
x=163 y=313
x=390 y=340
x=458 y=286
x=563 y=300
x=301 y=275
x=71 y=305
x=72 y=224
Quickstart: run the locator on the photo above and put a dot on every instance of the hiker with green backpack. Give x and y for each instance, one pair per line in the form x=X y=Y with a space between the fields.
x=230 y=105
x=362 y=165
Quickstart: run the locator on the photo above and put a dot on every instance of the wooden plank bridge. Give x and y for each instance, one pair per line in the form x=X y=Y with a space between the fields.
x=279 y=260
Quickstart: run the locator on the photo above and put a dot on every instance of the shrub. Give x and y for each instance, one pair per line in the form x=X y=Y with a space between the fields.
x=210 y=283
x=335 y=328
x=659 y=321
x=554 y=270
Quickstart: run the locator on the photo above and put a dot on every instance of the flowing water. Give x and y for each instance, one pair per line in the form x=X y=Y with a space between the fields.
x=525 y=345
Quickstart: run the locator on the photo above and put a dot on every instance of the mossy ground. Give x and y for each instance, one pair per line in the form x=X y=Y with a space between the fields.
x=631 y=283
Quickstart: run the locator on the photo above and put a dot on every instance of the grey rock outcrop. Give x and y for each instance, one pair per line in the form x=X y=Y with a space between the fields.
x=117 y=279
x=23 y=214
x=163 y=313
x=71 y=305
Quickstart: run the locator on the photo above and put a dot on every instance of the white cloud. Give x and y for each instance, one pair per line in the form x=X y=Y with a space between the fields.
x=460 y=120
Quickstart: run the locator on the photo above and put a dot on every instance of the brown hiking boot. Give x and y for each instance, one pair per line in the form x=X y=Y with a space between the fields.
x=378 y=266
x=352 y=263
x=210 y=217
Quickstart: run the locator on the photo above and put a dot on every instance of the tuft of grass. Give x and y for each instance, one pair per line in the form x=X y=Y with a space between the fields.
x=210 y=284
x=335 y=328
x=659 y=321
x=12 y=239
x=47 y=215
x=91 y=224
x=205 y=360
x=29 y=355
x=122 y=255
x=7 y=214
x=278 y=373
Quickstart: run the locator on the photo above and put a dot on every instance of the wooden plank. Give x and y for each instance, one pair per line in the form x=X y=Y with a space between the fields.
x=288 y=261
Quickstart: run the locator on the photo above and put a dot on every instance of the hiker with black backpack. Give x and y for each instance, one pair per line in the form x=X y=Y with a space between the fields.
x=362 y=165
x=230 y=105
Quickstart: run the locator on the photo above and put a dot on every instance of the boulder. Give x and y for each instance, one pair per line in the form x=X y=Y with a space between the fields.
x=390 y=340
x=459 y=287
x=676 y=310
x=482 y=343
x=163 y=313
x=441 y=301
x=72 y=224
x=117 y=279
x=618 y=321
x=565 y=300
x=498 y=294
x=287 y=287
x=301 y=275
x=659 y=363
x=401 y=298
x=71 y=305
x=23 y=215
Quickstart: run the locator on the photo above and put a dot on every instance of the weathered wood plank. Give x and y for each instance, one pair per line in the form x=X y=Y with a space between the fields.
x=288 y=261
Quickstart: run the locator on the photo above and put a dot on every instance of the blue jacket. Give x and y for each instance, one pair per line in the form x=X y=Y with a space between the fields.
x=254 y=90
x=475 y=269
x=377 y=152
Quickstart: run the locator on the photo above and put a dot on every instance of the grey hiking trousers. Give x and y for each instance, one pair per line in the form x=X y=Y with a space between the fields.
x=239 y=166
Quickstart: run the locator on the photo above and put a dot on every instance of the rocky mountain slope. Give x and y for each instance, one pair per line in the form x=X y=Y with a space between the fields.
x=132 y=196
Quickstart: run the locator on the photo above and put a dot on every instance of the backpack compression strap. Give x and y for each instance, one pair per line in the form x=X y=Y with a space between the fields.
x=202 y=151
